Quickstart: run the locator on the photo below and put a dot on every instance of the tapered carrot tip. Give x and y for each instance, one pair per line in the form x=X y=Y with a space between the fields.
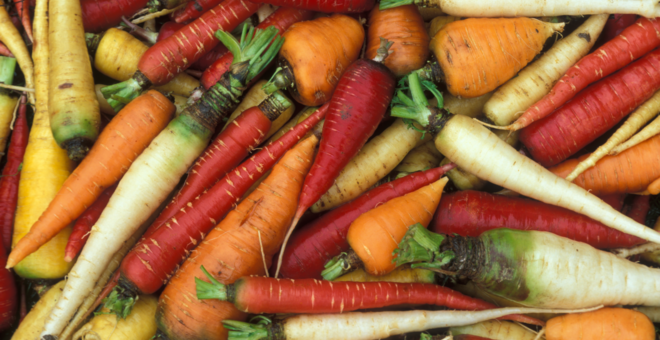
x=301 y=210
x=68 y=258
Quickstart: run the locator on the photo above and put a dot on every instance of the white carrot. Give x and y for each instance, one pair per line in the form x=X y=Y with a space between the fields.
x=636 y=120
x=537 y=79
x=373 y=325
x=495 y=330
x=647 y=132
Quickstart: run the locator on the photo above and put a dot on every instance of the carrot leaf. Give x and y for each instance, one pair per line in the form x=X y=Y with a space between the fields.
x=212 y=290
x=247 y=331
x=385 y=4
x=119 y=303
x=340 y=265
x=422 y=248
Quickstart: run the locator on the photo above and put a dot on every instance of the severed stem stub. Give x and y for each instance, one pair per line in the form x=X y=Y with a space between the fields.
x=383 y=51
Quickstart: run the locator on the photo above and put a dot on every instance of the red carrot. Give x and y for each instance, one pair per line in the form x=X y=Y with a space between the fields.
x=639 y=208
x=167 y=58
x=281 y=19
x=634 y=42
x=194 y=10
x=170 y=27
x=11 y=175
x=337 y=6
x=85 y=222
x=594 y=111
x=154 y=259
x=356 y=107
x=8 y=294
x=324 y=238
x=471 y=213
x=262 y=295
x=99 y=15
x=616 y=24
x=614 y=200
x=5 y=51
x=226 y=151
x=23 y=11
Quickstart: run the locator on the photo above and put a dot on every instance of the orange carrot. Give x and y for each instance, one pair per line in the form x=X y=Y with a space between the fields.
x=602 y=324
x=404 y=27
x=125 y=137
x=242 y=244
x=628 y=172
x=376 y=234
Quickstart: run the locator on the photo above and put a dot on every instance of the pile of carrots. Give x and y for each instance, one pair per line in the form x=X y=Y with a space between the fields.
x=280 y=169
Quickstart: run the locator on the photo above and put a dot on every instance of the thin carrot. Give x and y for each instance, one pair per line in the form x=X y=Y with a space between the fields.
x=23 y=10
x=127 y=135
x=8 y=101
x=634 y=42
x=8 y=294
x=602 y=324
x=233 y=249
x=375 y=234
x=650 y=130
x=11 y=175
x=10 y=36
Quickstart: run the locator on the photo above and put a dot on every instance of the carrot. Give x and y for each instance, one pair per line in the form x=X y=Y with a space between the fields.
x=425 y=336
x=536 y=80
x=282 y=19
x=647 y=132
x=372 y=325
x=138 y=325
x=425 y=156
x=469 y=64
x=117 y=54
x=145 y=271
x=120 y=143
x=496 y=330
x=4 y=51
x=375 y=234
x=8 y=102
x=405 y=28
x=100 y=15
x=29 y=328
x=23 y=11
x=616 y=174
x=460 y=139
x=254 y=295
x=169 y=57
x=602 y=324
x=337 y=39
x=341 y=6
x=401 y=275
x=193 y=10
x=8 y=294
x=10 y=36
x=11 y=175
x=634 y=42
x=616 y=24
x=550 y=8
x=236 y=247
x=594 y=111
x=84 y=224
x=439 y=22
x=470 y=213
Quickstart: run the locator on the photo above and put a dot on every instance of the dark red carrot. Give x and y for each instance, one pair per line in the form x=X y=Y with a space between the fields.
x=154 y=259
x=226 y=151
x=8 y=294
x=616 y=24
x=23 y=11
x=11 y=175
x=614 y=200
x=357 y=105
x=324 y=238
x=5 y=51
x=282 y=18
x=471 y=213
x=264 y=295
x=194 y=10
x=168 y=29
x=592 y=112
x=337 y=6
x=639 y=208
x=99 y=15
x=167 y=58
x=85 y=222
x=634 y=42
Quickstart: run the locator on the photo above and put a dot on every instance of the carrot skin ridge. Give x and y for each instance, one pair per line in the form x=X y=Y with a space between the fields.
x=339 y=6
x=8 y=294
x=170 y=27
x=470 y=213
x=324 y=238
x=282 y=18
x=187 y=228
x=224 y=153
x=634 y=42
x=85 y=222
x=592 y=112
x=11 y=175
x=99 y=15
x=169 y=57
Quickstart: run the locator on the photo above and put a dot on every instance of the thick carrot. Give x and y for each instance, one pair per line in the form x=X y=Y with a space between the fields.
x=169 y=57
x=138 y=325
x=146 y=268
x=8 y=294
x=617 y=174
x=634 y=42
x=592 y=112
x=336 y=39
x=282 y=19
x=375 y=234
x=10 y=36
x=470 y=213
x=339 y=6
x=236 y=247
x=120 y=143
x=193 y=10
x=468 y=62
x=602 y=324
x=404 y=27
x=84 y=224
x=11 y=175
x=616 y=24
x=324 y=238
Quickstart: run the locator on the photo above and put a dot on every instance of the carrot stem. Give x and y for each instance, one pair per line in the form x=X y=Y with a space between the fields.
x=385 y=4
x=210 y=290
x=421 y=247
x=340 y=265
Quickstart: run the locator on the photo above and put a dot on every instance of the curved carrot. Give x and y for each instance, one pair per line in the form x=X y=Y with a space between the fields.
x=127 y=135
x=634 y=42
x=602 y=324
x=11 y=175
x=236 y=247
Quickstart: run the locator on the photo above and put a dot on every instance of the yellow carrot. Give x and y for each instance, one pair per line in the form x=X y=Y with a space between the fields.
x=10 y=36
x=30 y=327
x=140 y=324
